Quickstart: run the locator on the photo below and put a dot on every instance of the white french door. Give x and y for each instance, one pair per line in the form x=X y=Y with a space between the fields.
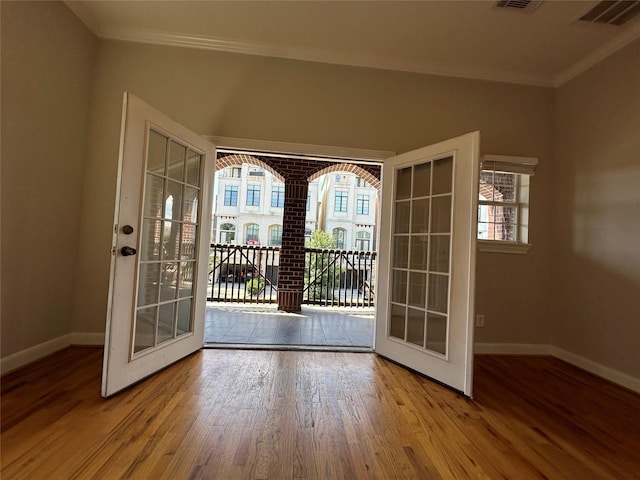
x=426 y=291
x=157 y=290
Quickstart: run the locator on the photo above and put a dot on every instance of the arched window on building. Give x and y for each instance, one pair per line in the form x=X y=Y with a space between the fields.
x=227 y=233
x=340 y=236
x=252 y=234
x=275 y=235
x=363 y=241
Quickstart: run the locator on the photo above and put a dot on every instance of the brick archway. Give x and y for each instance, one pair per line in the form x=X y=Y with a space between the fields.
x=296 y=173
x=237 y=159
x=369 y=173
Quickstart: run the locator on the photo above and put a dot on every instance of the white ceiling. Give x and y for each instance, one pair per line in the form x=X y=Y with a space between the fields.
x=470 y=39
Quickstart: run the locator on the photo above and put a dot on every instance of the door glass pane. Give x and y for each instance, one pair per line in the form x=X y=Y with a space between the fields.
x=167 y=241
x=442 y=175
x=399 y=286
x=421 y=180
x=169 y=284
x=166 y=317
x=171 y=241
x=415 y=326
x=419 y=250
x=172 y=200
x=396 y=323
x=439 y=253
x=403 y=183
x=177 y=155
x=190 y=205
x=188 y=245
x=157 y=152
x=437 y=333
x=193 y=168
x=418 y=289
x=145 y=328
x=403 y=210
x=420 y=216
x=148 y=284
x=150 y=240
x=153 y=197
x=441 y=214
x=184 y=317
x=186 y=279
x=400 y=251
x=438 y=292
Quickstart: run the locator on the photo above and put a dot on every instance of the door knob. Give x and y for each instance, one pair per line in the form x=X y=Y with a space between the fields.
x=127 y=229
x=127 y=251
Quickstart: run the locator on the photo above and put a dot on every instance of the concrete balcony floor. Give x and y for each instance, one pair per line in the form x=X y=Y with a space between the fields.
x=263 y=326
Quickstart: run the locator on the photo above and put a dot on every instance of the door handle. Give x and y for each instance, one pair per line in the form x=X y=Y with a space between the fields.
x=127 y=251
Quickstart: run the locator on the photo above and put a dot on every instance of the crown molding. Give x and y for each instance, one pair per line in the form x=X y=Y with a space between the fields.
x=412 y=65
x=598 y=55
x=313 y=55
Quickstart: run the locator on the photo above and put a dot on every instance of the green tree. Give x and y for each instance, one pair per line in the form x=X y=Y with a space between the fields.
x=321 y=276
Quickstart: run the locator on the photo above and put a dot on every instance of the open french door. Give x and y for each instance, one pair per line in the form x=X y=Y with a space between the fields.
x=425 y=303
x=157 y=290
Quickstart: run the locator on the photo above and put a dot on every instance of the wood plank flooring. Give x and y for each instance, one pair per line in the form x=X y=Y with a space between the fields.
x=236 y=414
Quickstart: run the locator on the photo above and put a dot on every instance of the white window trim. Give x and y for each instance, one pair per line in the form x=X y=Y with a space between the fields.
x=510 y=164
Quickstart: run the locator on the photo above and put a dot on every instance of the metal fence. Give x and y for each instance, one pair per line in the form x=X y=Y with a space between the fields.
x=249 y=274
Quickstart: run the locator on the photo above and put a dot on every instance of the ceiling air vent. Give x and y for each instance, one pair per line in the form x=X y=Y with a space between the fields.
x=612 y=12
x=519 y=5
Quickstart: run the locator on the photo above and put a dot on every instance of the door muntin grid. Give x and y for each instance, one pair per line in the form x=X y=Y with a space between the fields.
x=167 y=243
x=421 y=255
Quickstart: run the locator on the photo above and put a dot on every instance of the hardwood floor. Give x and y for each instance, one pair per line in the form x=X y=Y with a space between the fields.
x=225 y=414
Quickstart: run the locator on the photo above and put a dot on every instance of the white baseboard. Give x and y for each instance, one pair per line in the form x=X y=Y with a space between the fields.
x=31 y=354
x=80 y=338
x=615 y=376
x=512 y=348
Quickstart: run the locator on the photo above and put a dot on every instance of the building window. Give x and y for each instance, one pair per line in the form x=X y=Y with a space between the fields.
x=362 y=204
x=363 y=241
x=256 y=172
x=340 y=204
x=360 y=182
x=230 y=196
x=503 y=203
x=253 y=234
x=339 y=235
x=275 y=235
x=308 y=202
x=227 y=233
x=253 y=195
x=236 y=172
x=277 y=196
x=307 y=235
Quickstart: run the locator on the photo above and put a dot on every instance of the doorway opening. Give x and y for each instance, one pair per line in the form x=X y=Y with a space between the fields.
x=293 y=258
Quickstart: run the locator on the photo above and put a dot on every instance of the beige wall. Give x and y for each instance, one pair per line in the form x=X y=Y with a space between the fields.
x=47 y=57
x=291 y=101
x=596 y=258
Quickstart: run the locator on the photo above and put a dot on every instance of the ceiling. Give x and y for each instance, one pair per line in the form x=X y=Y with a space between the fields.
x=469 y=39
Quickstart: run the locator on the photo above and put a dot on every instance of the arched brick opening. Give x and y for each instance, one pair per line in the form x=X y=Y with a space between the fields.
x=369 y=173
x=237 y=159
x=296 y=173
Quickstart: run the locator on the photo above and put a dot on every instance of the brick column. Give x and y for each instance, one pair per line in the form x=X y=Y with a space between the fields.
x=291 y=271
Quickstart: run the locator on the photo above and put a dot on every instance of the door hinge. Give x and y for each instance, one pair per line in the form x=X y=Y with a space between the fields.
x=113 y=250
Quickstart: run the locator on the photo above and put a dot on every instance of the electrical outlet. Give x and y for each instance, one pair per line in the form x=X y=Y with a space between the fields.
x=479 y=321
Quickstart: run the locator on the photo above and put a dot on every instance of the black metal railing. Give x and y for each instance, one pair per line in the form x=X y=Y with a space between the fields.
x=243 y=273
x=339 y=277
x=249 y=274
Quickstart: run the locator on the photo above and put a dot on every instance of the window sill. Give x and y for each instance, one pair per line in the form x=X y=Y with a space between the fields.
x=495 y=246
